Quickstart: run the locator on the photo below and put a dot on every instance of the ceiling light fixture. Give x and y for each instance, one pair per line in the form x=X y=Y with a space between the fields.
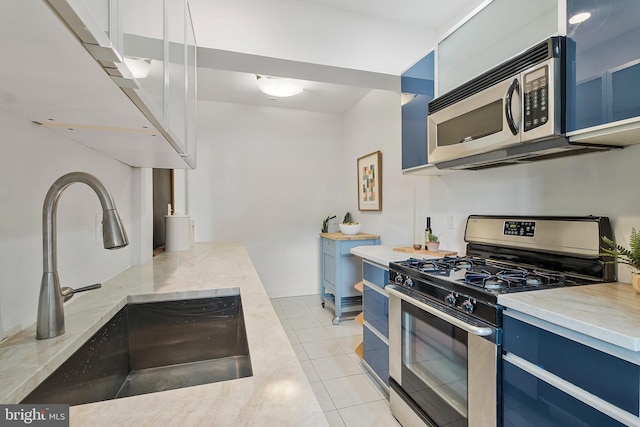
x=279 y=86
x=579 y=18
x=139 y=67
x=406 y=98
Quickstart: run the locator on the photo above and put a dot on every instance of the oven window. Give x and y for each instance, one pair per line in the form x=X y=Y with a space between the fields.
x=434 y=366
x=478 y=123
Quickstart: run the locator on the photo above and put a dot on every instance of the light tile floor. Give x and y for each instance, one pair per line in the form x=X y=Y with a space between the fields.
x=347 y=393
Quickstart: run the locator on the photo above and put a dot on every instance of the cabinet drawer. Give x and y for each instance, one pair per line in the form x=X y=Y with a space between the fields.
x=531 y=402
x=374 y=274
x=328 y=245
x=610 y=378
x=376 y=310
x=376 y=354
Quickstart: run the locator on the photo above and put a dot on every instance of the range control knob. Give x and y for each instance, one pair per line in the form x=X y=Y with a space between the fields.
x=451 y=299
x=399 y=279
x=409 y=282
x=468 y=306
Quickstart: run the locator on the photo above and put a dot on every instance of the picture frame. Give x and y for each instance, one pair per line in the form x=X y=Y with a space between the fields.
x=370 y=182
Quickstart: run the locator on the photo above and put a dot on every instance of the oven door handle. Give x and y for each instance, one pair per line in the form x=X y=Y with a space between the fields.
x=406 y=296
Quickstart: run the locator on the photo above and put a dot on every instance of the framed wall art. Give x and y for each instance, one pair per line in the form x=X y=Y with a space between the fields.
x=370 y=182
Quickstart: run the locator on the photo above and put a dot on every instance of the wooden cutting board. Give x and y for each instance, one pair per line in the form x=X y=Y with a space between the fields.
x=440 y=253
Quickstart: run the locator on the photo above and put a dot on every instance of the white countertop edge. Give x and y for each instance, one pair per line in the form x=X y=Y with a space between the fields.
x=588 y=340
x=606 y=312
x=380 y=254
x=588 y=329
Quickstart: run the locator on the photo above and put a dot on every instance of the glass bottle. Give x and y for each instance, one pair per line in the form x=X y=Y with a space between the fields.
x=427 y=231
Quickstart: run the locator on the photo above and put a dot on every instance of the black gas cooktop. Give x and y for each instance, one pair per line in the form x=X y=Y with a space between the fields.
x=487 y=275
x=507 y=254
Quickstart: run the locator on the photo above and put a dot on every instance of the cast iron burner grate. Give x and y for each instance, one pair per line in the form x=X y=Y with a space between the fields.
x=513 y=278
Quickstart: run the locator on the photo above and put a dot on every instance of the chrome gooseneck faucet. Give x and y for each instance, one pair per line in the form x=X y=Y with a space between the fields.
x=50 y=321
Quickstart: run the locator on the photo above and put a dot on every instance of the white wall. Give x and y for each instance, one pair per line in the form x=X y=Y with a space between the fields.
x=600 y=184
x=31 y=159
x=267 y=177
x=603 y=184
x=371 y=125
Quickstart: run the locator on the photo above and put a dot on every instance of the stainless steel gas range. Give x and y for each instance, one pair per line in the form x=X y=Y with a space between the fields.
x=445 y=325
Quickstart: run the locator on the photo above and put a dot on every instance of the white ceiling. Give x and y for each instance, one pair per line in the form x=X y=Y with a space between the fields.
x=431 y=14
x=341 y=49
x=242 y=88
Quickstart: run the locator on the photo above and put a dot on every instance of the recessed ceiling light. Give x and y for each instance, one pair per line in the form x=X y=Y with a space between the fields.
x=278 y=86
x=579 y=17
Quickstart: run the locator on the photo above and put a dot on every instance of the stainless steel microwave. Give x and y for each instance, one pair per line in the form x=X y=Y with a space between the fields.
x=513 y=113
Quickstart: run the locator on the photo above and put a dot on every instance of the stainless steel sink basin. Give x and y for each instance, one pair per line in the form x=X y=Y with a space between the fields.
x=151 y=347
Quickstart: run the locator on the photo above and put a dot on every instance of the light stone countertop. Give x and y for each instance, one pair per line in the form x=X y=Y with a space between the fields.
x=278 y=393
x=608 y=313
x=382 y=255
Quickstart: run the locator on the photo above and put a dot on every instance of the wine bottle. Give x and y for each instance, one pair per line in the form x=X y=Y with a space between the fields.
x=427 y=231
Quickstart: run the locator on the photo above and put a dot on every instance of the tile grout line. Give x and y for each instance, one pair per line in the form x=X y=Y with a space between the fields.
x=293 y=305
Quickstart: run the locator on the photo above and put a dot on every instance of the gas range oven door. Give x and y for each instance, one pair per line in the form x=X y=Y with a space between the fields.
x=443 y=366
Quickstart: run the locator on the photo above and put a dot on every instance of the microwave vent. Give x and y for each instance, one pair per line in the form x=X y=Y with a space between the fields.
x=537 y=54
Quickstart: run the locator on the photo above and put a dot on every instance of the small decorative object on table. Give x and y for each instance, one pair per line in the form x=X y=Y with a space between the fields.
x=630 y=256
x=325 y=223
x=417 y=246
x=432 y=243
x=348 y=226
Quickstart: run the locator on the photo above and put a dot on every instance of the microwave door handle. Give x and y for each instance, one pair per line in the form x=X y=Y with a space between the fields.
x=508 y=111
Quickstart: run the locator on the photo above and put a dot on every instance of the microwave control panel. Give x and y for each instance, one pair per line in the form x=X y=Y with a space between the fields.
x=536 y=91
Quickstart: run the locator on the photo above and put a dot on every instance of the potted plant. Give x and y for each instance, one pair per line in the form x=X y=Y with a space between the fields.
x=325 y=223
x=348 y=226
x=629 y=256
x=432 y=243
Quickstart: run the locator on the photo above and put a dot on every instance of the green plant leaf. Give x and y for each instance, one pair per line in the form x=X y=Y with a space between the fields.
x=629 y=256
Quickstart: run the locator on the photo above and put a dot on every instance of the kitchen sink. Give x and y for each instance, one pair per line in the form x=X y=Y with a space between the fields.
x=151 y=347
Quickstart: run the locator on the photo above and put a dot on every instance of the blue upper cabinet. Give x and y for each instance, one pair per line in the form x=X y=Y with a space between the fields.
x=607 y=63
x=417 y=86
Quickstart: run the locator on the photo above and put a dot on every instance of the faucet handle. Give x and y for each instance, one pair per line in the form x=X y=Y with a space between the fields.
x=68 y=293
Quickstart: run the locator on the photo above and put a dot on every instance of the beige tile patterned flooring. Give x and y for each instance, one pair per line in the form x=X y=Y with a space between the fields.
x=347 y=393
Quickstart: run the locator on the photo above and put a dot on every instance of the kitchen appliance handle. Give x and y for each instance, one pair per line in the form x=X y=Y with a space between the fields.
x=472 y=329
x=508 y=111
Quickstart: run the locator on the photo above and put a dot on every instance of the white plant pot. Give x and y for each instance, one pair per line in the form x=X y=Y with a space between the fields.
x=350 y=228
x=433 y=246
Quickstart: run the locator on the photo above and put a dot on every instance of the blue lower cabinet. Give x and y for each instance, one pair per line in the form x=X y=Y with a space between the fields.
x=531 y=402
x=608 y=377
x=376 y=310
x=376 y=354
